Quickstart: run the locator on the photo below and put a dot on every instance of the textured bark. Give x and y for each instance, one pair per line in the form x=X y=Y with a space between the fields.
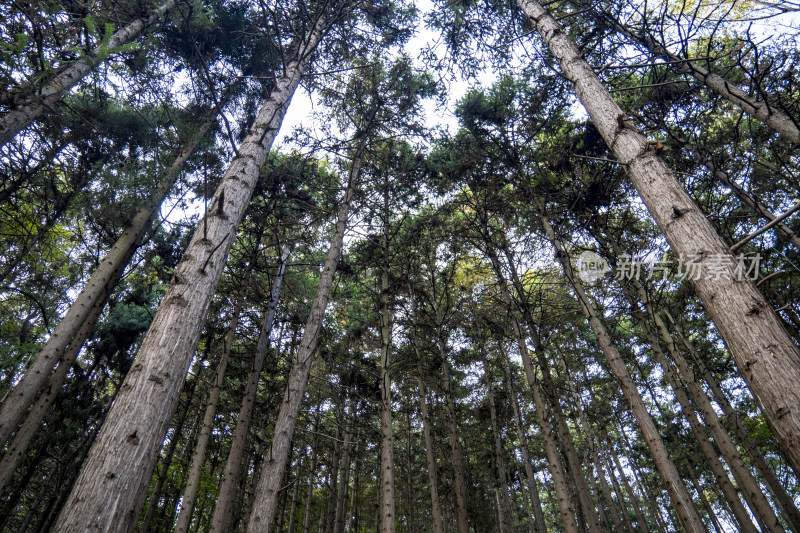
x=110 y=490
x=506 y=517
x=429 y=451
x=681 y=500
x=102 y=281
x=538 y=512
x=267 y=491
x=29 y=108
x=22 y=438
x=387 y=436
x=778 y=490
x=223 y=512
x=770 y=115
x=568 y=515
x=199 y=455
x=767 y=357
x=460 y=486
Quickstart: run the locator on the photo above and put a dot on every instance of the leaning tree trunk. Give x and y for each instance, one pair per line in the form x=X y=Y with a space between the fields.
x=223 y=512
x=428 y=439
x=111 y=487
x=770 y=115
x=33 y=105
x=460 y=486
x=102 y=281
x=268 y=489
x=538 y=513
x=767 y=357
x=684 y=506
x=199 y=456
x=507 y=516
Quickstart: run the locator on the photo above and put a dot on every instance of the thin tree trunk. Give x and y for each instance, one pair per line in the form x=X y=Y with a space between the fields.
x=502 y=478
x=702 y=496
x=767 y=357
x=460 y=486
x=632 y=495
x=263 y=515
x=387 y=433
x=311 y=474
x=770 y=115
x=30 y=107
x=94 y=294
x=538 y=513
x=429 y=450
x=333 y=479
x=681 y=500
x=110 y=489
x=621 y=500
x=344 y=474
x=293 y=508
x=199 y=456
x=223 y=511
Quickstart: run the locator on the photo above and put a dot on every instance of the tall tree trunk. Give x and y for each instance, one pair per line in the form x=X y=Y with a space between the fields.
x=460 y=486
x=293 y=507
x=263 y=515
x=333 y=479
x=502 y=478
x=538 y=512
x=621 y=500
x=387 y=430
x=429 y=450
x=223 y=511
x=632 y=495
x=110 y=489
x=344 y=474
x=66 y=335
x=199 y=456
x=770 y=115
x=311 y=475
x=32 y=105
x=681 y=500
x=767 y=357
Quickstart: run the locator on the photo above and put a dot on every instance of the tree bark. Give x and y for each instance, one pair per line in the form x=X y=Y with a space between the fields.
x=101 y=283
x=460 y=486
x=767 y=357
x=199 y=456
x=42 y=99
x=110 y=490
x=311 y=475
x=223 y=511
x=263 y=515
x=502 y=478
x=344 y=474
x=538 y=513
x=681 y=500
x=429 y=451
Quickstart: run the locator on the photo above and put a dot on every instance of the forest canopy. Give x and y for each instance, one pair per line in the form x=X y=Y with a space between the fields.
x=445 y=265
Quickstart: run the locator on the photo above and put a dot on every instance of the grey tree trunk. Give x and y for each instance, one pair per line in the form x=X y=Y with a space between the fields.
x=199 y=455
x=767 y=357
x=268 y=488
x=429 y=452
x=223 y=511
x=110 y=489
x=681 y=500
x=460 y=486
x=538 y=512
x=29 y=108
x=16 y=402
x=770 y=115
x=344 y=474
x=505 y=504
x=311 y=476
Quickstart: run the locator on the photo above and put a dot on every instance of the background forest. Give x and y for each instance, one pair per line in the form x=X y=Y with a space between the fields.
x=384 y=321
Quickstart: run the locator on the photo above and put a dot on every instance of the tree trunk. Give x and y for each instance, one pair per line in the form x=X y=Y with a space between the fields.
x=110 y=489
x=770 y=115
x=768 y=359
x=223 y=511
x=263 y=515
x=387 y=437
x=460 y=486
x=41 y=99
x=344 y=474
x=311 y=475
x=429 y=451
x=101 y=283
x=538 y=512
x=681 y=500
x=199 y=456
x=502 y=478
x=293 y=507
x=632 y=495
